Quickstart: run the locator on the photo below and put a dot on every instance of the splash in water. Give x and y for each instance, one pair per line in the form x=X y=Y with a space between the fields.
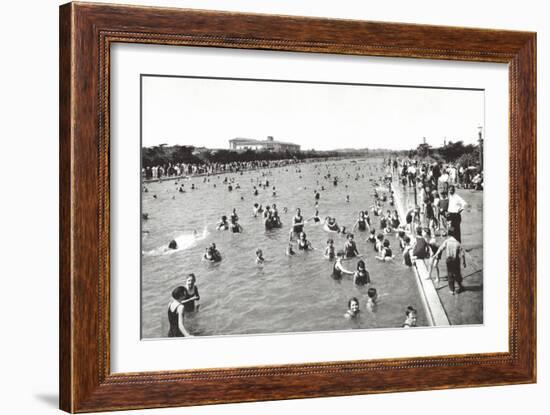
x=179 y=243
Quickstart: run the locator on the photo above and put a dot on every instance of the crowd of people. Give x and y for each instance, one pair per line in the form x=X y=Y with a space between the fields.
x=177 y=170
x=429 y=229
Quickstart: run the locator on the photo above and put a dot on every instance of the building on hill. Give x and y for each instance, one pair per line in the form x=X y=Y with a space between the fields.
x=269 y=144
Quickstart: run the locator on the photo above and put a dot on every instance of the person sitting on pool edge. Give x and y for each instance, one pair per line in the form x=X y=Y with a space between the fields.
x=353 y=308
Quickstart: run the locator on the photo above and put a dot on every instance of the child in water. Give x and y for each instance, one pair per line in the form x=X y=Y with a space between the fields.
x=353 y=309
x=372 y=298
x=410 y=320
x=372 y=236
x=259 y=257
x=330 y=252
x=361 y=276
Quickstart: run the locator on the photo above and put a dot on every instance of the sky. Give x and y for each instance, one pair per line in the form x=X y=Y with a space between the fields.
x=210 y=112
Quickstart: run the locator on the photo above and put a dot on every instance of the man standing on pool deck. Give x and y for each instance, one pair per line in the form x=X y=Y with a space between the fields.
x=454 y=211
x=453 y=252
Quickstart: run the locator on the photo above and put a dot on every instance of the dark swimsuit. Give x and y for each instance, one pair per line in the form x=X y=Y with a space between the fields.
x=363 y=277
x=336 y=273
x=298 y=228
x=303 y=245
x=190 y=306
x=173 y=320
x=350 y=250
x=421 y=248
x=362 y=225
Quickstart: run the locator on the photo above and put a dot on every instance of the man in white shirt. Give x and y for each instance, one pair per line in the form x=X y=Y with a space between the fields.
x=456 y=206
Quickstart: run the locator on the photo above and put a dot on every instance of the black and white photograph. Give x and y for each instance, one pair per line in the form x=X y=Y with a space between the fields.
x=277 y=206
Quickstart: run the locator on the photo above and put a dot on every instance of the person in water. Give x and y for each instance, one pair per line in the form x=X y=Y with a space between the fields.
x=303 y=243
x=353 y=309
x=386 y=252
x=259 y=257
x=410 y=317
x=297 y=224
x=173 y=244
x=330 y=252
x=222 y=225
x=361 y=276
x=235 y=226
x=372 y=237
x=338 y=269
x=372 y=299
x=315 y=218
x=331 y=225
x=350 y=248
x=176 y=312
x=212 y=254
x=191 y=294
x=290 y=250
x=361 y=222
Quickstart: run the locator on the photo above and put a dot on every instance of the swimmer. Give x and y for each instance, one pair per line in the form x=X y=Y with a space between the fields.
x=353 y=309
x=259 y=257
x=379 y=244
x=222 y=225
x=401 y=237
x=303 y=243
x=347 y=196
x=407 y=251
x=338 y=269
x=191 y=295
x=234 y=226
x=385 y=253
x=372 y=237
x=361 y=276
x=350 y=248
x=372 y=299
x=361 y=222
x=173 y=244
x=212 y=254
x=330 y=252
x=234 y=215
x=297 y=224
x=290 y=250
x=176 y=311
x=410 y=320
x=145 y=216
x=331 y=225
x=315 y=218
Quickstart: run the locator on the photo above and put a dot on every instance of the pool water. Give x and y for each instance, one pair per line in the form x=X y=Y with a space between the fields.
x=286 y=293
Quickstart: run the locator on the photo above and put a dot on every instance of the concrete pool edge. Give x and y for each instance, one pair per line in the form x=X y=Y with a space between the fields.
x=435 y=312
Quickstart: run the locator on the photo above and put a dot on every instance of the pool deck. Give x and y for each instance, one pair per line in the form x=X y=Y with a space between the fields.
x=443 y=308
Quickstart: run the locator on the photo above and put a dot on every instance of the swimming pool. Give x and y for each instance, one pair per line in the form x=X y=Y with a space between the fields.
x=286 y=294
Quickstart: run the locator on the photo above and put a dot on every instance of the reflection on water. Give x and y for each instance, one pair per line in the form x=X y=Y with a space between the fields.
x=286 y=294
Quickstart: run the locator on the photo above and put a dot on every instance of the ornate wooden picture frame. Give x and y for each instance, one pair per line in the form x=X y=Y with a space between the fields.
x=87 y=32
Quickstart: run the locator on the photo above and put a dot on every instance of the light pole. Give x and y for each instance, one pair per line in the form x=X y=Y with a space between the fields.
x=480 y=141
